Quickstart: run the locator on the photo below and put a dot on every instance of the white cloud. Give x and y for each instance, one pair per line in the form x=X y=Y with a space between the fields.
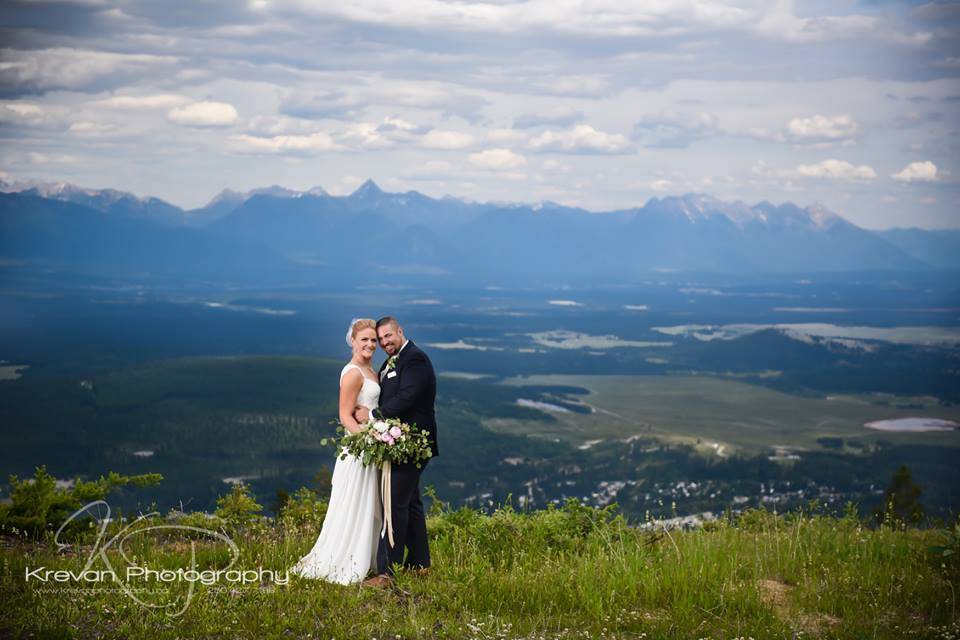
x=204 y=114
x=23 y=109
x=552 y=165
x=586 y=18
x=438 y=139
x=775 y=21
x=156 y=101
x=560 y=115
x=819 y=128
x=670 y=129
x=27 y=114
x=924 y=171
x=779 y=23
x=506 y=135
x=284 y=145
x=431 y=170
x=335 y=104
x=87 y=128
x=363 y=135
x=41 y=70
x=497 y=160
x=35 y=157
x=661 y=185
x=88 y=3
x=447 y=97
x=918 y=119
x=398 y=124
x=836 y=170
x=278 y=125
x=581 y=139
x=574 y=85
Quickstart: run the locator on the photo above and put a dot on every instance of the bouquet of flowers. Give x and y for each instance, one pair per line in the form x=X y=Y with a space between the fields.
x=381 y=441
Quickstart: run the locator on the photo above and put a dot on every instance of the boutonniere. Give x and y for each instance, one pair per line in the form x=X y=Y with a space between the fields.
x=392 y=362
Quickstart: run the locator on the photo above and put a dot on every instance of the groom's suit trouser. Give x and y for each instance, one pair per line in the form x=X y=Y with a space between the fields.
x=409 y=522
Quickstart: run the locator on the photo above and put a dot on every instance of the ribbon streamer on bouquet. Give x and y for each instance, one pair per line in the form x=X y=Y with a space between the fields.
x=385 y=492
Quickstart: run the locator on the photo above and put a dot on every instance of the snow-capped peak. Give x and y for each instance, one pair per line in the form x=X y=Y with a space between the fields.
x=821 y=216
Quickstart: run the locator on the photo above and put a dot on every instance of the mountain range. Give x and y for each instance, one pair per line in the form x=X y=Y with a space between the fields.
x=277 y=234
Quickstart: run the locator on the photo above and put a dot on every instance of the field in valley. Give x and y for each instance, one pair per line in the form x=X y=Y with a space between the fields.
x=720 y=415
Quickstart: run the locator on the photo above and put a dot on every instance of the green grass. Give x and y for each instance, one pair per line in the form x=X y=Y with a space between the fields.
x=743 y=417
x=571 y=572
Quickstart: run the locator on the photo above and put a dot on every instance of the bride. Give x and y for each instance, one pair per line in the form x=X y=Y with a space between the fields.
x=346 y=549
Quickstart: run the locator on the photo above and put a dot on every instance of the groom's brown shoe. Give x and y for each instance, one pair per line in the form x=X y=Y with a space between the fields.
x=381 y=581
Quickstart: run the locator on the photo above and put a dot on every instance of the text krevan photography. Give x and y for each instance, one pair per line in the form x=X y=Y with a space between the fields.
x=145 y=574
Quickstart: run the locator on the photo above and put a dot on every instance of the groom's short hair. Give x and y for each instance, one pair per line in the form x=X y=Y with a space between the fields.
x=387 y=320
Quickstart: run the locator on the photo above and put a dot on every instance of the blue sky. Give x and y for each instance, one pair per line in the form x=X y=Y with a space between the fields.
x=598 y=104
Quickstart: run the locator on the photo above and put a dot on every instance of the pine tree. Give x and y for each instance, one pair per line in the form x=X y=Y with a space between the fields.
x=901 y=502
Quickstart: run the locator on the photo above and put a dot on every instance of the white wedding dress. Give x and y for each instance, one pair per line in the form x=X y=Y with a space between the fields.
x=346 y=549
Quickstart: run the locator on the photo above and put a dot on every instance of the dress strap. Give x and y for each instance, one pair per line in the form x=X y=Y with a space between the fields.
x=349 y=366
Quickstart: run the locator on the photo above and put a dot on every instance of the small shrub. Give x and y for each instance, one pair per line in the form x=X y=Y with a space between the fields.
x=715 y=525
x=38 y=505
x=303 y=509
x=584 y=519
x=758 y=519
x=238 y=509
x=506 y=534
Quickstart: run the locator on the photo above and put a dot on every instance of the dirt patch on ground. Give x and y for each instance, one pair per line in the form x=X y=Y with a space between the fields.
x=816 y=623
x=776 y=594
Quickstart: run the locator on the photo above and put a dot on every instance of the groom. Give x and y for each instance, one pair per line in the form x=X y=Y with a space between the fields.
x=408 y=389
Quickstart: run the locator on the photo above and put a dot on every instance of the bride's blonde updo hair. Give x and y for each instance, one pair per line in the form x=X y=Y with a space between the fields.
x=357 y=325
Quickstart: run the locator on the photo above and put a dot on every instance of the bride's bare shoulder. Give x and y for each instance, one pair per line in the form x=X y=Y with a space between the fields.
x=351 y=375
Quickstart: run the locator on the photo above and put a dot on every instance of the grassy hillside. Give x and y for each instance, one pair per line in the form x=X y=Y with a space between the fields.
x=569 y=572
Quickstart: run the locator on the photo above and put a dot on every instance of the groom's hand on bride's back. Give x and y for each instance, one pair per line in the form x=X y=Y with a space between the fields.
x=361 y=414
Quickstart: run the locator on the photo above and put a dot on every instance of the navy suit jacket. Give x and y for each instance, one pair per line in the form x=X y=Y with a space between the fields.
x=410 y=395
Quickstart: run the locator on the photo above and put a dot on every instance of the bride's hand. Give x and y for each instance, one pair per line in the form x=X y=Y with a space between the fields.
x=361 y=414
